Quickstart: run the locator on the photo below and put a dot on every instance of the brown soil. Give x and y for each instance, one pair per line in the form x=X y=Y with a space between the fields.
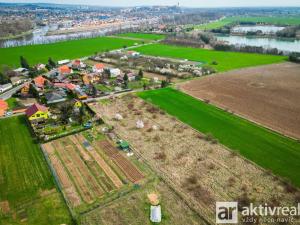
x=200 y=171
x=131 y=172
x=269 y=95
x=4 y=207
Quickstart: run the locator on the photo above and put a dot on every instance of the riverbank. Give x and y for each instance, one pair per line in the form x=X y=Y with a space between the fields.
x=282 y=44
x=16 y=36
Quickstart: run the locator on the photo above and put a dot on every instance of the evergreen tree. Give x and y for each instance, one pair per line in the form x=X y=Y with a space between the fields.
x=140 y=75
x=51 y=62
x=145 y=86
x=4 y=79
x=125 y=78
x=164 y=83
x=24 y=63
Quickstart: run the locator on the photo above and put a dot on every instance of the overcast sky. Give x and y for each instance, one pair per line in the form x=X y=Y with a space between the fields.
x=190 y=3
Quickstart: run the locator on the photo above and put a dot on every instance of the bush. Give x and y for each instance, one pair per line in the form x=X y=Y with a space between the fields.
x=160 y=156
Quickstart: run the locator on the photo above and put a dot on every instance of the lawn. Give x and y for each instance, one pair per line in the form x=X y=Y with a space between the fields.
x=61 y=50
x=104 y=88
x=143 y=36
x=225 y=60
x=25 y=180
x=212 y=25
x=12 y=103
x=229 y=20
x=260 y=145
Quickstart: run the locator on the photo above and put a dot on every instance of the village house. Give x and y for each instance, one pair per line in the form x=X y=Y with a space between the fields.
x=3 y=107
x=133 y=54
x=90 y=78
x=55 y=97
x=37 y=112
x=131 y=76
x=63 y=62
x=39 y=82
x=64 y=70
x=21 y=71
x=17 y=80
x=5 y=87
x=25 y=90
x=77 y=64
x=114 y=72
x=68 y=86
x=81 y=95
x=98 y=68
x=40 y=66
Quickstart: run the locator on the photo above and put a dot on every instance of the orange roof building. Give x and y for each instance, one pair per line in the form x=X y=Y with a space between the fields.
x=98 y=68
x=3 y=107
x=39 y=81
x=64 y=70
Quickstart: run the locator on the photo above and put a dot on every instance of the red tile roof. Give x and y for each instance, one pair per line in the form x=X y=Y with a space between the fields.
x=39 y=81
x=64 y=69
x=77 y=62
x=3 y=105
x=99 y=66
x=69 y=86
x=35 y=108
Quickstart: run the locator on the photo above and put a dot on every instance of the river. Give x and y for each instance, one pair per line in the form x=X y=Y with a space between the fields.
x=39 y=36
x=264 y=29
x=282 y=44
x=289 y=45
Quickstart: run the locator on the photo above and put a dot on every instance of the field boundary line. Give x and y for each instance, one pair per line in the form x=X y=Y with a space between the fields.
x=282 y=179
x=57 y=181
x=170 y=184
x=219 y=106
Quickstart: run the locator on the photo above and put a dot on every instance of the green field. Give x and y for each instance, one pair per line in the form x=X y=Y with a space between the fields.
x=25 y=178
x=12 y=103
x=226 y=60
x=260 y=145
x=229 y=20
x=211 y=25
x=61 y=50
x=143 y=36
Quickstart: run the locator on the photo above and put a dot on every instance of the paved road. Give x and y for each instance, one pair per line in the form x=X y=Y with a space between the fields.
x=8 y=94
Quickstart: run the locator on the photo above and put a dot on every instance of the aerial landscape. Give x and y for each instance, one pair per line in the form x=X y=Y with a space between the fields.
x=149 y=112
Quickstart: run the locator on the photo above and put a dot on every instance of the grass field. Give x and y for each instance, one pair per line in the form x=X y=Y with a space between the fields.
x=211 y=25
x=61 y=50
x=226 y=60
x=266 y=148
x=143 y=36
x=25 y=178
x=229 y=20
x=12 y=103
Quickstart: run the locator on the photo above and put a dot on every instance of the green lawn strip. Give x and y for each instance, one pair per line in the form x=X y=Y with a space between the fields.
x=102 y=87
x=143 y=36
x=212 y=25
x=60 y=50
x=278 y=20
x=24 y=174
x=260 y=145
x=256 y=19
x=226 y=60
x=12 y=103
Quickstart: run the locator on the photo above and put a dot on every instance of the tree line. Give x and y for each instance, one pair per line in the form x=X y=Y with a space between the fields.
x=14 y=27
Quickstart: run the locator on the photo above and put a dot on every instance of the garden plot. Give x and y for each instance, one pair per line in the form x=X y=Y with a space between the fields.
x=131 y=172
x=86 y=175
x=198 y=168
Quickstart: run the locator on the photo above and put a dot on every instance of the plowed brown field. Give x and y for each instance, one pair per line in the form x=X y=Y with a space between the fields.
x=268 y=95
